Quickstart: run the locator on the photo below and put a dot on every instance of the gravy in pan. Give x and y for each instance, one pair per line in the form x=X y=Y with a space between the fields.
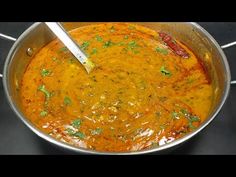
x=147 y=89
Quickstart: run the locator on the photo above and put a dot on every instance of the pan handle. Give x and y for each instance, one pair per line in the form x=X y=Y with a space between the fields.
x=6 y=37
x=233 y=82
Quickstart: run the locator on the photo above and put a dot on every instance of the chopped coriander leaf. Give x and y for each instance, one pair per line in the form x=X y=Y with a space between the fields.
x=164 y=71
x=126 y=37
x=191 y=126
x=120 y=43
x=97 y=131
x=70 y=131
x=76 y=123
x=132 y=44
x=163 y=51
x=63 y=49
x=194 y=119
x=190 y=118
x=67 y=100
x=98 y=38
x=175 y=115
x=94 y=51
x=184 y=111
x=85 y=45
x=45 y=72
x=43 y=89
x=107 y=44
x=79 y=134
x=43 y=113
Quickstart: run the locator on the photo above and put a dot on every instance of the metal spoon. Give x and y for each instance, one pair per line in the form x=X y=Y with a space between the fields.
x=61 y=33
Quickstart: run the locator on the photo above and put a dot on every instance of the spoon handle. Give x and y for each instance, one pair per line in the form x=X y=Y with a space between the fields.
x=61 y=33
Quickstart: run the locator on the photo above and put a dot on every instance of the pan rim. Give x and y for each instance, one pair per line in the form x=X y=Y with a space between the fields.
x=88 y=151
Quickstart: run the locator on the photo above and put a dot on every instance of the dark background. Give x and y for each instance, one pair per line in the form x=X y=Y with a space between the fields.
x=217 y=138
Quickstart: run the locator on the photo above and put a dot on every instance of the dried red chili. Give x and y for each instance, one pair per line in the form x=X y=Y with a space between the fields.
x=171 y=43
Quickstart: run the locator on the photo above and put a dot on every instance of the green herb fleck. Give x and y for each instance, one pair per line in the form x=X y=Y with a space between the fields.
x=121 y=43
x=97 y=131
x=190 y=118
x=107 y=44
x=132 y=44
x=94 y=51
x=63 y=49
x=164 y=71
x=175 y=115
x=184 y=111
x=85 y=45
x=67 y=100
x=76 y=123
x=70 y=131
x=191 y=126
x=43 y=113
x=126 y=37
x=98 y=38
x=79 y=134
x=163 y=51
x=43 y=89
x=194 y=119
x=45 y=72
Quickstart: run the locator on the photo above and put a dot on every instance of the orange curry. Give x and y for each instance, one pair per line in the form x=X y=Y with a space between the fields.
x=147 y=89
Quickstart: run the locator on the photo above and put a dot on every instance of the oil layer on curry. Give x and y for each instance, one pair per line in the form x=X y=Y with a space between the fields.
x=147 y=89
